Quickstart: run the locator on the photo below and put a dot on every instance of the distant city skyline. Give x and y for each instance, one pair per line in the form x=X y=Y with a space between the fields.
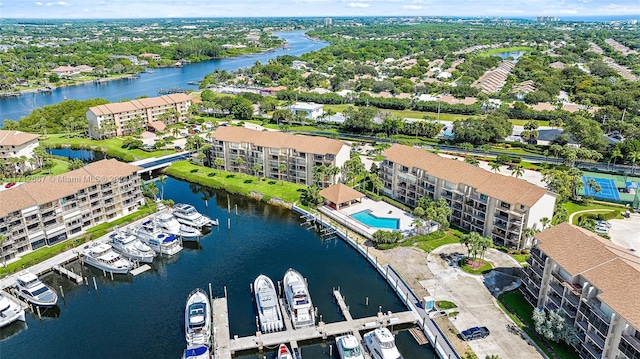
x=101 y=9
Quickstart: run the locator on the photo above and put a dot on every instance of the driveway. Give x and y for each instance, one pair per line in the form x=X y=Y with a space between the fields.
x=474 y=295
x=626 y=232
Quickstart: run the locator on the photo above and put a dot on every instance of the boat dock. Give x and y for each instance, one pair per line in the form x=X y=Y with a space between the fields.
x=68 y=273
x=224 y=346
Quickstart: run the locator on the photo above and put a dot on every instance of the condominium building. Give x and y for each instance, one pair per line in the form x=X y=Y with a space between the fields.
x=111 y=119
x=51 y=209
x=270 y=149
x=594 y=283
x=16 y=144
x=481 y=201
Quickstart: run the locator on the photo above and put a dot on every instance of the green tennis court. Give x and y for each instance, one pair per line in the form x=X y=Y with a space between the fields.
x=621 y=182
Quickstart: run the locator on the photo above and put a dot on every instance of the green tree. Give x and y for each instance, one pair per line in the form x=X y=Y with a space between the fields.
x=311 y=196
x=75 y=164
x=518 y=171
x=495 y=167
x=150 y=190
x=593 y=186
x=634 y=157
x=256 y=169
x=3 y=238
x=239 y=162
x=162 y=179
x=282 y=168
x=219 y=163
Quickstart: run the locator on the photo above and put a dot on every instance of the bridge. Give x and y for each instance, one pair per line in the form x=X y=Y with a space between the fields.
x=154 y=163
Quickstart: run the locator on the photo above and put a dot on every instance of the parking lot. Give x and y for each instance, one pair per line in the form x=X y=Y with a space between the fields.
x=626 y=232
x=475 y=297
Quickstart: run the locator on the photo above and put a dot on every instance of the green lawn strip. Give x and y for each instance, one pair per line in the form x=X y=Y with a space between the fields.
x=445 y=304
x=520 y=311
x=45 y=253
x=405 y=113
x=522 y=258
x=433 y=240
x=518 y=122
x=573 y=207
x=59 y=167
x=486 y=266
x=235 y=182
x=113 y=146
x=504 y=49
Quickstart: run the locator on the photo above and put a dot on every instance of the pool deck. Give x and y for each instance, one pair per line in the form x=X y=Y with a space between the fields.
x=379 y=209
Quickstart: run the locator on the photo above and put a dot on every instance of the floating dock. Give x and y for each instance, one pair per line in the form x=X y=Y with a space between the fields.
x=68 y=273
x=224 y=346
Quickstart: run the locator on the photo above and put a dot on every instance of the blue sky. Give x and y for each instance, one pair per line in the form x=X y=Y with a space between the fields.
x=249 y=8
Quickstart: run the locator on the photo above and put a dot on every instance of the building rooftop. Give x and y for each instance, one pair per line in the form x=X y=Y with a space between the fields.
x=16 y=138
x=505 y=188
x=142 y=103
x=51 y=188
x=306 y=106
x=274 y=139
x=614 y=270
x=340 y=193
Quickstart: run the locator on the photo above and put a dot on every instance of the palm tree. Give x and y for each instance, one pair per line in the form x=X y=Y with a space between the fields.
x=319 y=173
x=545 y=222
x=518 y=171
x=528 y=233
x=162 y=179
x=332 y=171
x=256 y=169
x=417 y=224
x=376 y=183
x=282 y=168
x=201 y=156
x=219 y=162
x=593 y=186
x=634 y=157
x=239 y=161
x=615 y=154
x=495 y=166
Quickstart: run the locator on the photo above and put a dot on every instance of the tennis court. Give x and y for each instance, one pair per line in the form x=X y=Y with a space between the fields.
x=626 y=186
x=609 y=191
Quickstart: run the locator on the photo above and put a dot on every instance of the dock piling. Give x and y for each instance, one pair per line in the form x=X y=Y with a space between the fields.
x=210 y=292
x=366 y=302
x=86 y=281
x=236 y=210
x=111 y=275
x=330 y=350
x=225 y=291
x=95 y=285
x=61 y=292
x=104 y=273
x=229 y=223
x=39 y=315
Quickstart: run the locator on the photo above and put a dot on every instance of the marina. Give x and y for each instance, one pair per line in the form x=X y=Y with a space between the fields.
x=169 y=280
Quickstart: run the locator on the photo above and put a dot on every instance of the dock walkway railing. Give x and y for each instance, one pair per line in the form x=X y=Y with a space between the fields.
x=430 y=328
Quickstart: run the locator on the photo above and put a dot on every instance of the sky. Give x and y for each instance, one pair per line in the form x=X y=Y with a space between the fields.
x=86 y=9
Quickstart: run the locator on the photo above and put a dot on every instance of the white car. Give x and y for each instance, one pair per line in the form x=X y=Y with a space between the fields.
x=602 y=230
x=603 y=224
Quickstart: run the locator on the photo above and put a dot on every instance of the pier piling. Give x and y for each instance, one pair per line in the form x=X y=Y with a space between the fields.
x=111 y=275
x=61 y=292
x=225 y=291
x=39 y=315
x=95 y=285
x=210 y=292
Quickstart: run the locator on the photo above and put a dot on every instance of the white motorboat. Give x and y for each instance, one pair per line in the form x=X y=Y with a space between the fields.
x=283 y=352
x=151 y=234
x=187 y=214
x=197 y=352
x=102 y=256
x=170 y=224
x=197 y=318
x=349 y=347
x=131 y=247
x=298 y=300
x=29 y=287
x=267 y=303
x=381 y=344
x=10 y=311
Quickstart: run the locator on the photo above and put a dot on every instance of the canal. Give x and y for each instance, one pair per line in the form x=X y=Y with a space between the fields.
x=143 y=316
x=148 y=84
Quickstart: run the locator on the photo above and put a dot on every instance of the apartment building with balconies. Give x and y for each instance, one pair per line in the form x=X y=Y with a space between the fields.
x=111 y=119
x=271 y=149
x=16 y=144
x=52 y=209
x=488 y=203
x=594 y=283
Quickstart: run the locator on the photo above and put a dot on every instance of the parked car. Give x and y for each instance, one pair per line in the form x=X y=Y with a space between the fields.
x=602 y=230
x=475 y=333
x=603 y=224
x=178 y=148
x=184 y=134
x=9 y=185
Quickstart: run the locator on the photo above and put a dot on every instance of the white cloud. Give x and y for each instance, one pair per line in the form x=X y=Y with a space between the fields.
x=412 y=7
x=38 y=3
x=357 y=4
x=58 y=3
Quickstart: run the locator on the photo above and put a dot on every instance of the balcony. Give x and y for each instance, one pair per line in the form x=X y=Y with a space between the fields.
x=597 y=339
x=555 y=299
x=537 y=270
x=501 y=217
x=594 y=305
x=556 y=287
x=593 y=351
x=500 y=224
x=571 y=312
x=632 y=341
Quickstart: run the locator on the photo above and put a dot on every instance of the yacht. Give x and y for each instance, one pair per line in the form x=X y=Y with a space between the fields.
x=381 y=344
x=151 y=234
x=32 y=290
x=197 y=318
x=169 y=223
x=102 y=256
x=197 y=352
x=187 y=214
x=131 y=247
x=349 y=347
x=298 y=300
x=10 y=311
x=267 y=303
x=283 y=352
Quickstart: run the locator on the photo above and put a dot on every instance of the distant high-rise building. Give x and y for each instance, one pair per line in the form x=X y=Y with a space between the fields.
x=547 y=18
x=328 y=21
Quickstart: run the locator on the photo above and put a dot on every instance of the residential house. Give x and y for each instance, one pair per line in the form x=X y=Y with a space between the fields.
x=310 y=111
x=16 y=144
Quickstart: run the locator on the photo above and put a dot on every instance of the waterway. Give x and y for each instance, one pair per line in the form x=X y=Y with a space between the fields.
x=14 y=108
x=514 y=54
x=142 y=316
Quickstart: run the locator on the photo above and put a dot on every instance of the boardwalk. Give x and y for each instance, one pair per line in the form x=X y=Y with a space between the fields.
x=221 y=338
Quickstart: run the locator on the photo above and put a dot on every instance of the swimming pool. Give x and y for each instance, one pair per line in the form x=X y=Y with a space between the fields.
x=365 y=217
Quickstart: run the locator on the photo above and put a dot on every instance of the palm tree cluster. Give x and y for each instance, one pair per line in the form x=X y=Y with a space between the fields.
x=320 y=173
x=438 y=211
x=476 y=245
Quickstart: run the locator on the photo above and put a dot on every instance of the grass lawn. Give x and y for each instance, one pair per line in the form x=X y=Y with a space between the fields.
x=113 y=146
x=522 y=258
x=504 y=49
x=405 y=113
x=59 y=167
x=523 y=310
x=235 y=182
x=273 y=126
x=445 y=304
x=434 y=240
x=518 y=122
x=45 y=253
x=477 y=266
x=572 y=207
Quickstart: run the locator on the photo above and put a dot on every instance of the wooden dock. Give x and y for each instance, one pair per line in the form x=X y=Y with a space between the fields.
x=224 y=346
x=69 y=274
x=141 y=269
